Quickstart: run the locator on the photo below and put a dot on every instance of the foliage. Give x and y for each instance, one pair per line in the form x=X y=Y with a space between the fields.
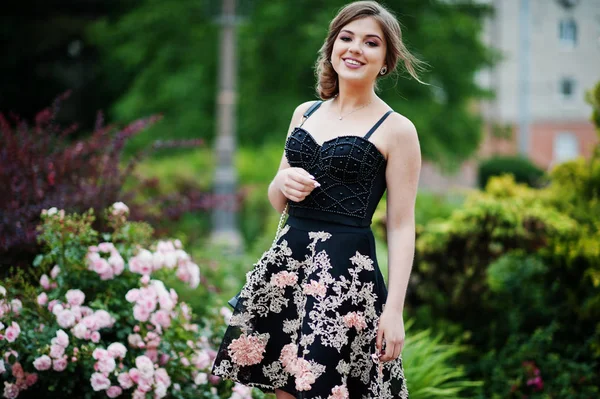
x=161 y=53
x=120 y=328
x=514 y=273
x=430 y=369
x=42 y=166
x=521 y=168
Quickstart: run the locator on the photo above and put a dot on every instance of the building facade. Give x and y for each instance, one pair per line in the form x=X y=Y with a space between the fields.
x=550 y=58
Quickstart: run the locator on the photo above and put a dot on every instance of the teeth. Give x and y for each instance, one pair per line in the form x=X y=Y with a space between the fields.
x=352 y=62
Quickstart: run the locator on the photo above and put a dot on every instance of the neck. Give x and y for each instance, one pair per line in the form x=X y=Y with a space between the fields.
x=352 y=96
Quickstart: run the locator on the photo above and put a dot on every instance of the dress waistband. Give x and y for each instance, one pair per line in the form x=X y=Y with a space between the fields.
x=326 y=225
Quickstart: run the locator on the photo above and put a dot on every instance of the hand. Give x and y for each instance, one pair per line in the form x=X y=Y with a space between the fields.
x=390 y=329
x=295 y=183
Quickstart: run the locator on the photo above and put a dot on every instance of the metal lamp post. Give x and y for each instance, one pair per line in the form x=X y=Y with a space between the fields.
x=225 y=231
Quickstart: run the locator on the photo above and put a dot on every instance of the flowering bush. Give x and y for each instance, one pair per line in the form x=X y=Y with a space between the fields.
x=102 y=323
x=44 y=164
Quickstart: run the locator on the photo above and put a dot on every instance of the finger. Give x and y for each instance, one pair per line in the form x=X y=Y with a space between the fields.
x=379 y=341
x=397 y=350
x=295 y=195
x=297 y=186
x=302 y=178
x=389 y=352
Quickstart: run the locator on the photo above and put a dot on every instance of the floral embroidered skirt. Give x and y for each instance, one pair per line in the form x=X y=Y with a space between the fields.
x=306 y=319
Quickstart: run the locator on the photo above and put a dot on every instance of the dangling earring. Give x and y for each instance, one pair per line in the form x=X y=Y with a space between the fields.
x=383 y=70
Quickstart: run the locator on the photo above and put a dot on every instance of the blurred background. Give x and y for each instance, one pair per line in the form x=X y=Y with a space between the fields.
x=180 y=109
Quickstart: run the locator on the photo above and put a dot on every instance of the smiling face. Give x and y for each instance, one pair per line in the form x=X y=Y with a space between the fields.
x=359 y=50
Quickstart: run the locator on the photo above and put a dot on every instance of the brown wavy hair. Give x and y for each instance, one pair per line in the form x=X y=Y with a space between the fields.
x=327 y=78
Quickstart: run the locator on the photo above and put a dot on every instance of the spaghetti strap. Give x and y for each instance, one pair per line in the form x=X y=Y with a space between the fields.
x=379 y=122
x=310 y=110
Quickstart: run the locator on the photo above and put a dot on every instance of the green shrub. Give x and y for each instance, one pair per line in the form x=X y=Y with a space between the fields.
x=431 y=369
x=521 y=168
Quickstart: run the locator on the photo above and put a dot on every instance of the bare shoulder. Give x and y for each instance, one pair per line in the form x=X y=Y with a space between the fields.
x=401 y=129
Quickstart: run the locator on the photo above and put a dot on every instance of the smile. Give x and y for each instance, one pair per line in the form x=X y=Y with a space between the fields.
x=352 y=63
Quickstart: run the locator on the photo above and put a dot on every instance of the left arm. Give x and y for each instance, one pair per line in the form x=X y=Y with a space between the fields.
x=402 y=178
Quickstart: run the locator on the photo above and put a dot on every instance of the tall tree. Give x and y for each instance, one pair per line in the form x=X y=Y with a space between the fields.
x=171 y=52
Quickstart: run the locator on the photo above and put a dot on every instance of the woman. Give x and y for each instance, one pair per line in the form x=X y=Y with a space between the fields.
x=315 y=319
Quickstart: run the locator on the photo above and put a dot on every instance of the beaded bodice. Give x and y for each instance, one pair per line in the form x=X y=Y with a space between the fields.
x=350 y=169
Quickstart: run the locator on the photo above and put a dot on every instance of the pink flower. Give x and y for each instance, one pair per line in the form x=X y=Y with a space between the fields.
x=189 y=272
x=52 y=304
x=304 y=375
x=95 y=337
x=117 y=350
x=105 y=365
x=59 y=364
x=104 y=319
x=11 y=391
x=45 y=282
x=201 y=379
x=283 y=279
x=80 y=330
x=56 y=351
x=145 y=384
x=55 y=271
x=75 y=297
x=114 y=391
x=161 y=318
x=135 y=375
x=137 y=394
x=99 y=382
x=247 y=350
x=354 y=319
x=61 y=339
x=158 y=260
x=315 y=288
x=145 y=366
x=141 y=313
x=134 y=340
x=132 y=295
x=201 y=360
x=161 y=376
x=12 y=332
x=31 y=379
x=100 y=353
x=16 y=306
x=42 y=299
x=106 y=247
x=166 y=301
x=101 y=266
x=117 y=263
x=125 y=380
x=339 y=392
x=65 y=318
x=42 y=363
x=119 y=209
x=17 y=371
x=288 y=357
x=141 y=263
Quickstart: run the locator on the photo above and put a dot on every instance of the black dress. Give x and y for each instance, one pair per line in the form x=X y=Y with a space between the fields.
x=306 y=319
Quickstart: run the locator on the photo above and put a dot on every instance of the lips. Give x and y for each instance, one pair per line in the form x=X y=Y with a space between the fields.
x=353 y=61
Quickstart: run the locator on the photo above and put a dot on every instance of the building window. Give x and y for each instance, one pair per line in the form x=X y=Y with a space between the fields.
x=566 y=147
x=567 y=32
x=567 y=89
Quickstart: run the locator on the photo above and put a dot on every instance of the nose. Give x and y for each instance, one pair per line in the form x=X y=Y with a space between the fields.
x=355 y=47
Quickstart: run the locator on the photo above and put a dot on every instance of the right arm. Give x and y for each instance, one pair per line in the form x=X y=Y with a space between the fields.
x=291 y=183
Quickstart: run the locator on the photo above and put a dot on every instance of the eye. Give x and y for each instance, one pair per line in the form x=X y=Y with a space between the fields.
x=372 y=44
x=343 y=38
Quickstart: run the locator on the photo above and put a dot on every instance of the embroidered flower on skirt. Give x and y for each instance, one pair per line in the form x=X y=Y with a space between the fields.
x=307 y=316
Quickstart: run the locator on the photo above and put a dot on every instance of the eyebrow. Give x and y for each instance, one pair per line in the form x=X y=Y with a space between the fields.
x=352 y=33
